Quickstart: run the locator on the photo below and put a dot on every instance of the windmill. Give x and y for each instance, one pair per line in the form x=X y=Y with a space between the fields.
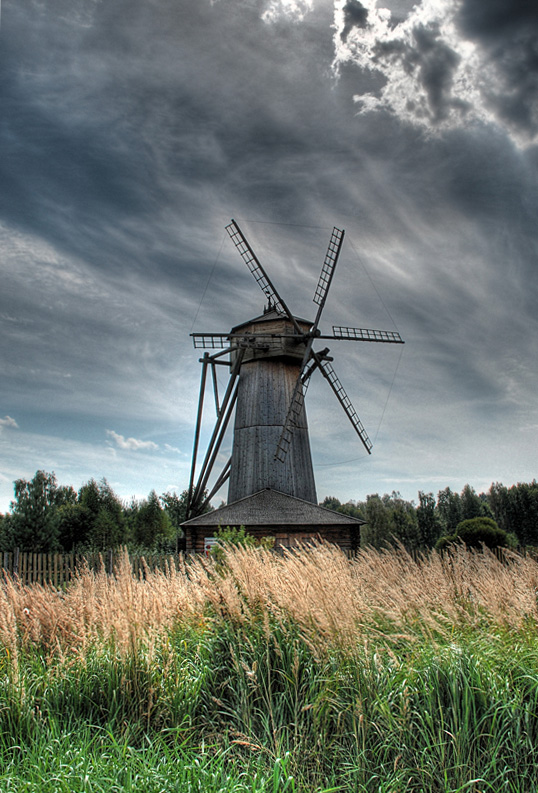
x=271 y=359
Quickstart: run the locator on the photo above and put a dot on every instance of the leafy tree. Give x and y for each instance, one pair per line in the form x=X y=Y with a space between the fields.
x=108 y=526
x=32 y=525
x=516 y=509
x=349 y=508
x=472 y=505
x=428 y=523
x=330 y=502
x=449 y=509
x=232 y=536
x=176 y=509
x=152 y=524
x=73 y=523
x=6 y=540
x=403 y=521
x=376 y=532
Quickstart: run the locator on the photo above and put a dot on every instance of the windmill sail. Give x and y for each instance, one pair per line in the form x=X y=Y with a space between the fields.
x=327 y=271
x=255 y=267
x=365 y=334
x=345 y=401
x=294 y=411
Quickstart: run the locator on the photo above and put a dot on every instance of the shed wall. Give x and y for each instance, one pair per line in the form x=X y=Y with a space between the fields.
x=345 y=537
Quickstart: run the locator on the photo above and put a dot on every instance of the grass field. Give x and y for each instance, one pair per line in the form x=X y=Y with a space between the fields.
x=307 y=672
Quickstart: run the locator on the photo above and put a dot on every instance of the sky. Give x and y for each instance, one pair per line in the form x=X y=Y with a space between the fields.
x=131 y=132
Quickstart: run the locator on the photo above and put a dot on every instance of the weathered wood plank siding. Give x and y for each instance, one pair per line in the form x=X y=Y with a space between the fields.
x=265 y=391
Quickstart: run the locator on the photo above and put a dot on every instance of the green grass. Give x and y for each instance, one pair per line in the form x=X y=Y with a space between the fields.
x=273 y=715
x=89 y=760
x=252 y=702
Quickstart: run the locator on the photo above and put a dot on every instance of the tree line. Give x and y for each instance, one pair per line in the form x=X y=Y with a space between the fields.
x=45 y=517
x=512 y=510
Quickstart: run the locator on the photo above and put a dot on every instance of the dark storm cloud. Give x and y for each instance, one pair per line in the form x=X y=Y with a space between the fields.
x=132 y=132
x=355 y=15
x=102 y=127
x=508 y=32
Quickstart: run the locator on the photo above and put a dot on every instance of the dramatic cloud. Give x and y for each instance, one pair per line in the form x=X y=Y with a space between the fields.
x=448 y=63
x=131 y=134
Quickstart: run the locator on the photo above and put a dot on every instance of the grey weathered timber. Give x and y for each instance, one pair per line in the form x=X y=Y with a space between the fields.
x=266 y=385
x=265 y=390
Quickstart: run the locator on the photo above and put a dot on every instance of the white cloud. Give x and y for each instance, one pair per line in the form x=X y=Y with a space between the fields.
x=173 y=449
x=294 y=10
x=131 y=444
x=8 y=422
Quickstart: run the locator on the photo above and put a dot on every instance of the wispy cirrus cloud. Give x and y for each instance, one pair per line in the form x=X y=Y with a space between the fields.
x=131 y=444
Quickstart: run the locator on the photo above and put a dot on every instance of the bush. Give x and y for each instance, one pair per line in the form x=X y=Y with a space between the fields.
x=237 y=537
x=476 y=532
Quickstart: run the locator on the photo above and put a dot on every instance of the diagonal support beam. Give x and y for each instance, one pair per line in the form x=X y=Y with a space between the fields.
x=217 y=436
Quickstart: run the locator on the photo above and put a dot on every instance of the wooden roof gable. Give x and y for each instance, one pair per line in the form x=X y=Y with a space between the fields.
x=271 y=508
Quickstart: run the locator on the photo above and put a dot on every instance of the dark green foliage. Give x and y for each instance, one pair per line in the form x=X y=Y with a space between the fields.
x=74 y=522
x=176 y=508
x=449 y=509
x=108 y=527
x=476 y=532
x=47 y=517
x=389 y=519
x=472 y=505
x=428 y=521
x=349 y=508
x=32 y=522
x=516 y=510
x=151 y=524
x=232 y=536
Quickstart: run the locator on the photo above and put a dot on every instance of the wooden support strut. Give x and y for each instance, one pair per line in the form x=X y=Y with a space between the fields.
x=217 y=436
x=215 y=387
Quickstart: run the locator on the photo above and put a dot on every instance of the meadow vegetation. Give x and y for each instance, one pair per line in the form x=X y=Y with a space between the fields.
x=260 y=672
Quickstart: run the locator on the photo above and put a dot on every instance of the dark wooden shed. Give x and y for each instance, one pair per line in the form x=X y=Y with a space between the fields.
x=270 y=513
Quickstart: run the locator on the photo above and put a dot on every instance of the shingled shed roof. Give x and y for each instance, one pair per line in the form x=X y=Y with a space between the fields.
x=271 y=508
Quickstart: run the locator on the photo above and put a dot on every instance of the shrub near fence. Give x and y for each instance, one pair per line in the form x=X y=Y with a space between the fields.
x=58 y=568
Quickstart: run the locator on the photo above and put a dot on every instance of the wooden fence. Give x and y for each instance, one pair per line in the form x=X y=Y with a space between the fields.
x=58 y=569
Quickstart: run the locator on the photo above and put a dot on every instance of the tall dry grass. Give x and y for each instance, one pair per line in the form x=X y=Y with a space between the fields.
x=381 y=674
x=332 y=599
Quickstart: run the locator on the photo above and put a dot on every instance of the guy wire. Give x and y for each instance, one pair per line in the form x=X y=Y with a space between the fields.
x=209 y=280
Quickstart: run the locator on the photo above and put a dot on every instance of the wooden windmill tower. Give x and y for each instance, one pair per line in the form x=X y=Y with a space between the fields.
x=271 y=359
